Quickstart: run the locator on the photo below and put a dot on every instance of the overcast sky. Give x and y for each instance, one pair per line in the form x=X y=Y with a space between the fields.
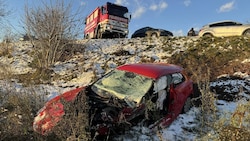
x=177 y=16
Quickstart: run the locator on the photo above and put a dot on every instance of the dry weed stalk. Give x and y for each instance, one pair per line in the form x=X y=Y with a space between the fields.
x=6 y=48
x=75 y=122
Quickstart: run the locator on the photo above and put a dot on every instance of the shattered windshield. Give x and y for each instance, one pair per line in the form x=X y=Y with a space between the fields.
x=123 y=84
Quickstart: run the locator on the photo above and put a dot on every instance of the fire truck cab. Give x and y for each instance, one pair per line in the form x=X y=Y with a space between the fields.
x=107 y=21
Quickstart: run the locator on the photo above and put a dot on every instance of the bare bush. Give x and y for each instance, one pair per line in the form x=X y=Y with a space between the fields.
x=51 y=27
x=17 y=110
x=5 y=71
x=6 y=49
x=233 y=128
x=205 y=99
x=208 y=99
x=238 y=127
x=3 y=11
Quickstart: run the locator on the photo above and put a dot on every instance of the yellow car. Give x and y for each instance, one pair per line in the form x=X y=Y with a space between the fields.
x=225 y=28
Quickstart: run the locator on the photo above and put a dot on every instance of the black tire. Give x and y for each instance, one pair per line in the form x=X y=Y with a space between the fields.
x=87 y=36
x=154 y=35
x=117 y=35
x=99 y=34
x=208 y=35
x=187 y=106
x=246 y=33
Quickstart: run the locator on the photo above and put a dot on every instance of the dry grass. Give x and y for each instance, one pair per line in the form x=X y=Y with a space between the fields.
x=17 y=113
x=203 y=60
x=220 y=54
x=234 y=128
x=208 y=100
x=18 y=109
x=74 y=125
x=5 y=71
x=6 y=49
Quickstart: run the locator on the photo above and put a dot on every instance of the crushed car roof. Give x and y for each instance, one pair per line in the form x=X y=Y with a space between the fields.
x=152 y=70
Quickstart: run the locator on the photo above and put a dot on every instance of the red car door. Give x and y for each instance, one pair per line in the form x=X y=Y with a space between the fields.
x=180 y=89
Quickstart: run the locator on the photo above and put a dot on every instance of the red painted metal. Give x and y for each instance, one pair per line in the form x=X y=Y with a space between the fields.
x=152 y=70
x=97 y=20
x=53 y=111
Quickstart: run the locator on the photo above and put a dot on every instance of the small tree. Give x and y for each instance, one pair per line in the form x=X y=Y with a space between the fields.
x=51 y=27
x=3 y=19
x=3 y=11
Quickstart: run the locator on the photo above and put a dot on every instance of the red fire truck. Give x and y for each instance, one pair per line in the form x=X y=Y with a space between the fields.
x=108 y=21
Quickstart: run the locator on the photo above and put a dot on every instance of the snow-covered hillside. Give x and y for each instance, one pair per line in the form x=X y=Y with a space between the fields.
x=94 y=58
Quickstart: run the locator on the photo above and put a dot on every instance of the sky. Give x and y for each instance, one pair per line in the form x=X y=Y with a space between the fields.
x=177 y=16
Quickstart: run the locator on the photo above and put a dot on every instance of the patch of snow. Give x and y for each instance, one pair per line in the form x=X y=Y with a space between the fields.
x=98 y=59
x=82 y=80
x=246 y=61
x=242 y=75
x=62 y=69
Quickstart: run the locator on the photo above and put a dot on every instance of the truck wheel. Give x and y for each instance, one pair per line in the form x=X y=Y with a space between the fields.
x=118 y=35
x=98 y=34
x=87 y=36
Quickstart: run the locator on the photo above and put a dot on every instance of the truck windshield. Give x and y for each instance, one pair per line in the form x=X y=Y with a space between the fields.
x=115 y=10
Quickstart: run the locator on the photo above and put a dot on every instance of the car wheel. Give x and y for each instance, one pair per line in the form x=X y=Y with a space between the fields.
x=154 y=35
x=247 y=32
x=208 y=35
x=87 y=36
x=187 y=106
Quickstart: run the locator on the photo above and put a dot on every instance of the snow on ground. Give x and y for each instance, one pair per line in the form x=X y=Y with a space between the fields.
x=183 y=128
x=100 y=53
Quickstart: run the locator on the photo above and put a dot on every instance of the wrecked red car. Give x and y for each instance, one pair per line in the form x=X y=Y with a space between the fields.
x=154 y=93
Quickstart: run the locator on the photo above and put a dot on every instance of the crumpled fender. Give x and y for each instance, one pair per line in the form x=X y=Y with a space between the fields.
x=53 y=111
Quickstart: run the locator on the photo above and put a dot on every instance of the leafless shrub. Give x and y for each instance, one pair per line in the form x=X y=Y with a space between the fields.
x=206 y=98
x=5 y=71
x=6 y=46
x=3 y=11
x=5 y=50
x=237 y=128
x=17 y=110
x=54 y=26
x=234 y=128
